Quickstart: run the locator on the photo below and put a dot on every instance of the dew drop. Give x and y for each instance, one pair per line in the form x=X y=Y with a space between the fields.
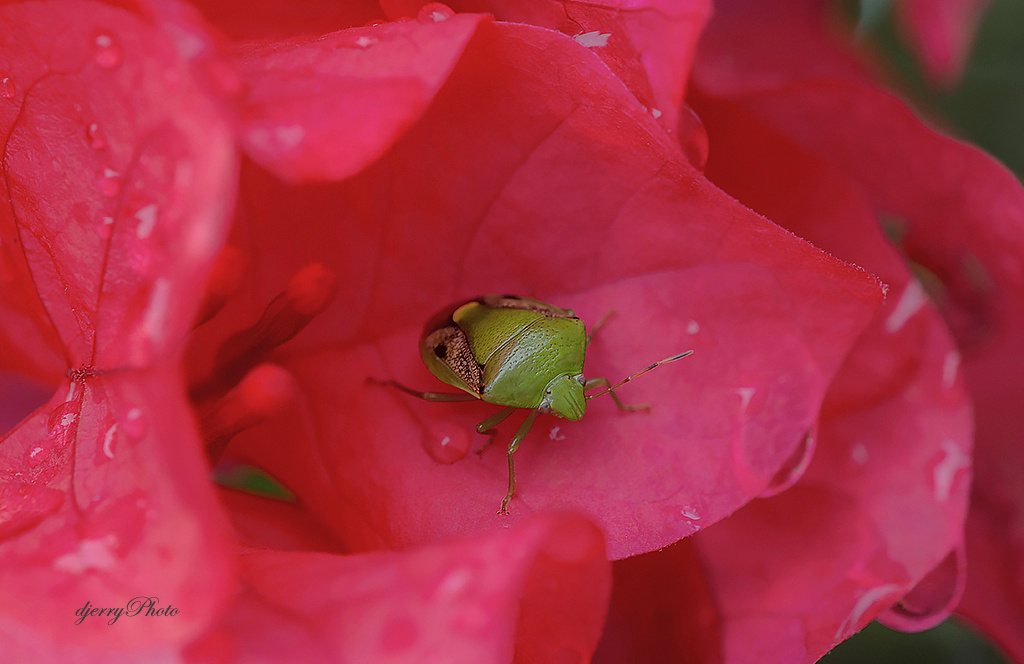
x=452 y=585
x=95 y=136
x=912 y=300
x=106 y=228
x=693 y=137
x=7 y=88
x=793 y=468
x=593 y=39
x=933 y=598
x=108 y=52
x=859 y=453
x=135 y=425
x=434 y=12
x=366 y=41
x=745 y=394
x=146 y=217
x=109 y=183
x=953 y=460
x=866 y=605
x=690 y=513
x=108 y=441
x=950 y=366
x=36 y=455
x=91 y=554
x=446 y=442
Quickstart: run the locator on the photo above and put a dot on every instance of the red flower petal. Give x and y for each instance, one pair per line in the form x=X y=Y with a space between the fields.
x=119 y=166
x=105 y=499
x=942 y=32
x=538 y=590
x=647 y=44
x=110 y=165
x=839 y=128
x=963 y=219
x=662 y=610
x=325 y=107
x=582 y=200
x=272 y=19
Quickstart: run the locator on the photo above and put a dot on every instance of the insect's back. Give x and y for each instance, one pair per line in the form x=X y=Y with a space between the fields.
x=521 y=350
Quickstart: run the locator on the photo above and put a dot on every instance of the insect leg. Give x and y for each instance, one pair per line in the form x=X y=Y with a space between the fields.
x=513 y=445
x=607 y=384
x=487 y=426
x=599 y=325
x=426 y=396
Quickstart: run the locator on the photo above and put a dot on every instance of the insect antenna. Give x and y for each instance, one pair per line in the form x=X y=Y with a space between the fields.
x=612 y=388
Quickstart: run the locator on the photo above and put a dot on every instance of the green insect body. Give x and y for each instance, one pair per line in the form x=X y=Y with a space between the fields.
x=511 y=356
x=515 y=352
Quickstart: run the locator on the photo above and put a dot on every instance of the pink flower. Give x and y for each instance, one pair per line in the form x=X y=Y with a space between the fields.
x=336 y=176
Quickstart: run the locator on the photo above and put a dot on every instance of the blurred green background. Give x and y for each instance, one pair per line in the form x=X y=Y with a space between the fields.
x=986 y=108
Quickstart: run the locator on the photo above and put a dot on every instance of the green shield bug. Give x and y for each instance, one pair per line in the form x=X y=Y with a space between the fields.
x=515 y=352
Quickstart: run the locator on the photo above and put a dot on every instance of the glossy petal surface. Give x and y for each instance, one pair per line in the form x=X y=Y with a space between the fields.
x=537 y=591
x=119 y=168
x=581 y=200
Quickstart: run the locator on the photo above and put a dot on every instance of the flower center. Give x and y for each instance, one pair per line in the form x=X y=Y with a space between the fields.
x=244 y=388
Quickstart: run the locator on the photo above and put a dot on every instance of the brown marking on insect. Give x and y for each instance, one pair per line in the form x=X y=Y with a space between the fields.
x=451 y=346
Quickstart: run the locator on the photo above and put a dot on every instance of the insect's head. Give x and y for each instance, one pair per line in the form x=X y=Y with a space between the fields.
x=564 y=396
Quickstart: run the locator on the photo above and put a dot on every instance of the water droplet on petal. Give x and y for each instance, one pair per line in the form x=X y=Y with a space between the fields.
x=95 y=136
x=693 y=137
x=953 y=459
x=366 y=41
x=912 y=300
x=864 y=609
x=146 y=217
x=434 y=12
x=593 y=39
x=106 y=228
x=950 y=367
x=859 y=453
x=91 y=554
x=7 y=87
x=36 y=455
x=135 y=425
x=452 y=585
x=108 y=441
x=793 y=468
x=932 y=599
x=446 y=442
x=109 y=183
x=61 y=428
x=108 y=51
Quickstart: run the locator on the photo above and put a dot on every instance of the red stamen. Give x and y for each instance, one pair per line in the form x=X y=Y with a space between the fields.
x=225 y=280
x=262 y=394
x=309 y=292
